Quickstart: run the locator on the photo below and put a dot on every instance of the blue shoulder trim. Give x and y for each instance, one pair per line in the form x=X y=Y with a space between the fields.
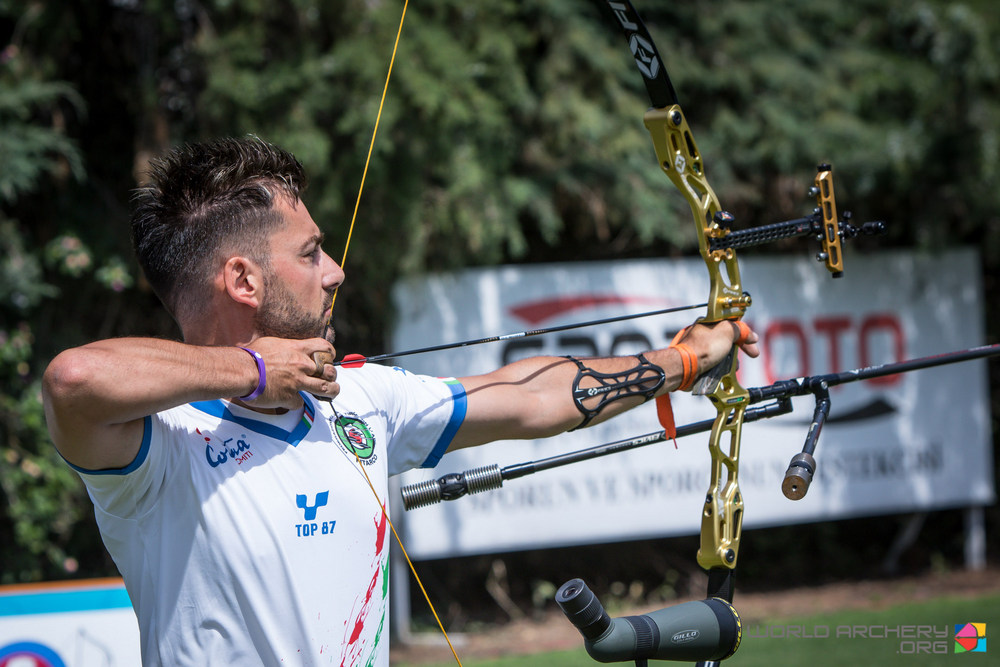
x=147 y=432
x=457 y=417
x=218 y=409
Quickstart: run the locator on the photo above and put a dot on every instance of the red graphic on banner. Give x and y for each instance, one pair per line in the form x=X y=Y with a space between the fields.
x=537 y=312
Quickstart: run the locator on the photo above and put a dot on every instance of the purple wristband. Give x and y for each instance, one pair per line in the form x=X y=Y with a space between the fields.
x=261 y=376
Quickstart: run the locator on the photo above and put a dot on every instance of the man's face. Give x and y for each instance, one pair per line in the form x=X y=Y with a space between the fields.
x=298 y=289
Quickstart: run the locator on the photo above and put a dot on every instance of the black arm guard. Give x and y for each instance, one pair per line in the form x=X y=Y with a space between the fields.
x=644 y=380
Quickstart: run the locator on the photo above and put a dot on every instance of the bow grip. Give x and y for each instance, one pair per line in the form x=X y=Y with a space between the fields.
x=710 y=380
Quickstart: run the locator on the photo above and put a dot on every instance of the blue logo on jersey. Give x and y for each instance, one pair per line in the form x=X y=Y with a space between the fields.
x=311 y=526
x=302 y=502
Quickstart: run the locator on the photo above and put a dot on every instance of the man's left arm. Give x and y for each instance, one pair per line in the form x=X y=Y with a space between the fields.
x=534 y=398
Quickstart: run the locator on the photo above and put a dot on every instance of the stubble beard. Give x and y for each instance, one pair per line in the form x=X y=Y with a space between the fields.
x=280 y=316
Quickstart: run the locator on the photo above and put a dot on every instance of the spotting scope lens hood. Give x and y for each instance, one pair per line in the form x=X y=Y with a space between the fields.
x=704 y=630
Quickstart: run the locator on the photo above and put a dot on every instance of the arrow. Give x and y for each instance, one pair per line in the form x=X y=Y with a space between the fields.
x=355 y=360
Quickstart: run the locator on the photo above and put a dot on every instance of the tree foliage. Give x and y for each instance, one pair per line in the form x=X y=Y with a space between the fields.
x=511 y=133
x=43 y=500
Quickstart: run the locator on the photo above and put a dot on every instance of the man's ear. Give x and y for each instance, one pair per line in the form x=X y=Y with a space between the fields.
x=243 y=280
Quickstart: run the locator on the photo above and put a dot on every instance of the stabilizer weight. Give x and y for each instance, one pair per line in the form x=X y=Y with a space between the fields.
x=452 y=486
x=798 y=476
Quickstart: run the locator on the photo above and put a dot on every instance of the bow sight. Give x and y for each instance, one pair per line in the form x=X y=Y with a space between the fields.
x=823 y=224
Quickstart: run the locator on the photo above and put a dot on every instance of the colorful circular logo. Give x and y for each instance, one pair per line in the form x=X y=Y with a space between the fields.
x=29 y=654
x=356 y=436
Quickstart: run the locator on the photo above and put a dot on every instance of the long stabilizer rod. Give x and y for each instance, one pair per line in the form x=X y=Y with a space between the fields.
x=485 y=478
x=797 y=478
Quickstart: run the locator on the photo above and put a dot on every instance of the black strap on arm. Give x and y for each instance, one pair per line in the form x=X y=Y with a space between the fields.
x=643 y=379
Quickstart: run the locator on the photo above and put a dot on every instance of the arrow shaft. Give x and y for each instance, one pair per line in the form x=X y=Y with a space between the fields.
x=518 y=334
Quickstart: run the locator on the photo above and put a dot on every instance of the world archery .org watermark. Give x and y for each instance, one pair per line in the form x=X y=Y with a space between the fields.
x=909 y=639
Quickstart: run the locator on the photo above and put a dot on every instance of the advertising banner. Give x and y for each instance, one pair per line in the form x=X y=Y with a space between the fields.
x=72 y=624
x=903 y=443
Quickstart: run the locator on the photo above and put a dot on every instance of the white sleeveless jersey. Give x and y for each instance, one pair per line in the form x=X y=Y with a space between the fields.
x=251 y=539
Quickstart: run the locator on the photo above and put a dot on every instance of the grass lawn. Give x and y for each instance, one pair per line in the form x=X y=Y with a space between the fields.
x=908 y=635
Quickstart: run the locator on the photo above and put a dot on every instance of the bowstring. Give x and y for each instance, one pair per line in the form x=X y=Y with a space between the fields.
x=399 y=540
x=371 y=147
x=347 y=245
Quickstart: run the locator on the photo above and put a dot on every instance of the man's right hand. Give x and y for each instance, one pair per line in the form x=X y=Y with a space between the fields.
x=293 y=366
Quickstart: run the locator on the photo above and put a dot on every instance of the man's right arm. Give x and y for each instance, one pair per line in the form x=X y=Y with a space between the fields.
x=97 y=395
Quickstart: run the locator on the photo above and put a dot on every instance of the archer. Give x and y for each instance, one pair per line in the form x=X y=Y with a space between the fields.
x=207 y=534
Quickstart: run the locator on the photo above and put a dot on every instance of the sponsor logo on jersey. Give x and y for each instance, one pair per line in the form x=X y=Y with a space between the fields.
x=355 y=436
x=218 y=452
x=312 y=527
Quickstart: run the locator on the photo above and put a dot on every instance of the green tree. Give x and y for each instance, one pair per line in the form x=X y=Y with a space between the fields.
x=43 y=498
x=512 y=132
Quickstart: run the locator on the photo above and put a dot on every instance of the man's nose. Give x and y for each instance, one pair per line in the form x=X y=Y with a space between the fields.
x=333 y=275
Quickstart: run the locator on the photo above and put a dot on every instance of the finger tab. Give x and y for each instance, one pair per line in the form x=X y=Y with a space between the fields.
x=321 y=359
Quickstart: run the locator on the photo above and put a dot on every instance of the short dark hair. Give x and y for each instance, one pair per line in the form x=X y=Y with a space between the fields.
x=204 y=199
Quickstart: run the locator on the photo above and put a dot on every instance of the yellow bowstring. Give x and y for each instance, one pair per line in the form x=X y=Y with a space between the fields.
x=347 y=244
x=371 y=147
x=409 y=562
